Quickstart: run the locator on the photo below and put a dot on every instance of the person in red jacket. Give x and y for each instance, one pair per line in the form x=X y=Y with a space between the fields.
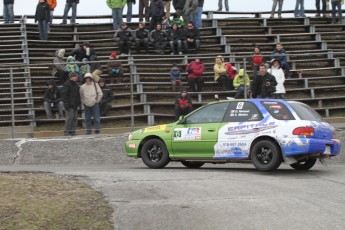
x=195 y=69
x=183 y=104
x=257 y=60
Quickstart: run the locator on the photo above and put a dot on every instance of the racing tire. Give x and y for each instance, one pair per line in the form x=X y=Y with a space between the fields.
x=305 y=164
x=192 y=164
x=266 y=156
x=154 y=154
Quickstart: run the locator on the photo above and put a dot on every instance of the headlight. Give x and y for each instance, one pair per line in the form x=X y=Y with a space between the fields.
x=130 y=137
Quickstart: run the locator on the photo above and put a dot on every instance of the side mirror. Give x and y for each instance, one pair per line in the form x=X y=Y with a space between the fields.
x=181 y=120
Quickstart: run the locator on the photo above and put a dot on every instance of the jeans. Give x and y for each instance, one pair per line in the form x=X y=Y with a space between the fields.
x=96 y=118
x=195 y=84
x=159 y=47
x=129 y=11
x=117 y=17
x=220 y=5
x=274 y=6
x=104 y=108
x=299 y=12
x=286 y=68
x=8 y=13
x=193 y=17
x=43 y=29
x=198 y=22
x=176 y=46
x=196 y=44
x=124 y=46
x=48 y=108
x=334 y=17
x=68 y=6
x=318 y=6
x=71 y=121
x=142 y=42
x=144 y=6
x=240 y=91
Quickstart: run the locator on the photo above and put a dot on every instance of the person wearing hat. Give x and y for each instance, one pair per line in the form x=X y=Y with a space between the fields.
x=71 y=102
x=175 y=77
x=90 y=95
x=52 y=100
x=116 y=7
x=124 y=36
x=105 y=102
x=183 y=104
x=278 y=73
x=115 y=69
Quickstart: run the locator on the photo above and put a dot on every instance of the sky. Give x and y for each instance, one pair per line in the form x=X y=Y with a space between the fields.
x=99 y=7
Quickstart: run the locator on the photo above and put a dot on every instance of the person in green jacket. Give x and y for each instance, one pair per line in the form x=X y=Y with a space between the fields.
x=117 y=7
x=239 y=83
x=176 y=19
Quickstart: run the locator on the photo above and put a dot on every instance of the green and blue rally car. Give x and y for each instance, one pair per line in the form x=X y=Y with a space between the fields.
x=265 y=131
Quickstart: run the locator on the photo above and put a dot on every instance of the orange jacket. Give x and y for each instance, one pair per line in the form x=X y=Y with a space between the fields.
x=52 y=4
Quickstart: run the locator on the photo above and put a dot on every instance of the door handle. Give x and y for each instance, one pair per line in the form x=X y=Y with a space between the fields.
x=211 y=130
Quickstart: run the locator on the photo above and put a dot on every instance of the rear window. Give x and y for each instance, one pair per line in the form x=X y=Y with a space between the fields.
x=304 y=112
x=278 y=110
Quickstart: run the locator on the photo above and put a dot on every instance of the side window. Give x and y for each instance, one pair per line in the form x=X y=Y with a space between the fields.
x=213 y=113
x=278 y=110
x=242 y=111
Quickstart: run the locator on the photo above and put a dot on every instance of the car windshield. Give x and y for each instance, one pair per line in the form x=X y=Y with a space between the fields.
x=305 y=112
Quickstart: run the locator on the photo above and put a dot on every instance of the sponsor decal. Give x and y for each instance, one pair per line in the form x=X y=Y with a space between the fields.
x=276 y=107
x=182 y=134
x=132 y=146
x=240 y=105
x=153 y=129
x=250 y=128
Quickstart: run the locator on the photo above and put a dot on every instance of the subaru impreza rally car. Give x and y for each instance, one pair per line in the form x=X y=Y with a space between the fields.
x=265 y=131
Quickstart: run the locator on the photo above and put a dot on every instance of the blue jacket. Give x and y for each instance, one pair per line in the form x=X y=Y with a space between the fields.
x=175 y=74
x=279 y=55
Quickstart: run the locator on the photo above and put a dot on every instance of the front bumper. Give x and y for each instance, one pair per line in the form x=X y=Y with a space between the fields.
x=132 y=147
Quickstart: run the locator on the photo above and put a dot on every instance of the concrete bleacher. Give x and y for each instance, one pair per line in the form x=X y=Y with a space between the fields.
x=316 y=54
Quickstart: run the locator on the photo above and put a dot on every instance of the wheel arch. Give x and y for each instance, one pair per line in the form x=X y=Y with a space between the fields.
x=143 y=141
x=264 y=138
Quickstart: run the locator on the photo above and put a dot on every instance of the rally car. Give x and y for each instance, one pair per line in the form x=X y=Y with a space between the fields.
x=265 y=131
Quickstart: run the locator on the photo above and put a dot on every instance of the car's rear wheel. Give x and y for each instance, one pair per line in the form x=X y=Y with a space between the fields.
x=192 y=164
x=154 y=154
x=266 y=155
x=305 y=164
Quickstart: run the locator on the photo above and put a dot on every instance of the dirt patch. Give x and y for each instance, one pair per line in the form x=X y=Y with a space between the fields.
x=46 y=201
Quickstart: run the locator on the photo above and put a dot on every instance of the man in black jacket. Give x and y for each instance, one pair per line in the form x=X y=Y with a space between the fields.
x=52 y=100
x=71 y=101
x=124 y=36
x=105 y=103
x=141 y=36
x=86 y=51
x=159 y=38
x=156 y=12
x=70 y=4
x=191 y=37
x=42 y=16
x=264 y=83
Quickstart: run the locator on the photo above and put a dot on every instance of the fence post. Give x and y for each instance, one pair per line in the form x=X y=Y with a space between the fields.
x=245 y=77
x=12 y=103
x=132 y=94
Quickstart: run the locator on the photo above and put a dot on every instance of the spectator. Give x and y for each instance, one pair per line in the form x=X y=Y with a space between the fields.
x=319 y=9
x=191 y=37
x=141 y=36
x=52 y=5
x=280 y=54
x=71 y=65
x=191 y=10
x=159 y=38
x=167 y=4
x=176 y=19
x=280 y=7
x=238 y=83
x=336 y=4
x=178 y=6
x=115 y=69
x=144 y=10
x=299 y=8
x=183 y=104
x=70 y=4
x=59 y=66
x=90 y=95
x=84 y=68
x=195 y=69
x=83 y=51
x=220 y=5
x=42 y=16
x=165 y=23
x=263 y=84
x=175 y=37
x=71 y=102
x=156 y=13
x=124 y=36
x=198 y=22
x=257 y=60
x=116 y=7
x=232 y=72
x=278 y=73
x=52 y=100
x=107 y=98
x=130 y=4
x=220 y=74
x=8 y=11
x=175 y=77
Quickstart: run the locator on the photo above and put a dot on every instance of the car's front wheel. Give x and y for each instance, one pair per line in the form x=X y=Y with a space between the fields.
x=266 y=155
x=305 y=164
x=154 y=154
x=192 y=164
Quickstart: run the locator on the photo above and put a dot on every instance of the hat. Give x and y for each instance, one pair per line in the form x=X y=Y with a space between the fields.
x=113 y=55
x=85 y=43
x=51 y=82
x=88 y=75
x=101 y=80
x=72 y=74
x=183 y=91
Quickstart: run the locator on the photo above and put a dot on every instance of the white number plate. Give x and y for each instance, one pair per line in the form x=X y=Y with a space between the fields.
x=328 y=150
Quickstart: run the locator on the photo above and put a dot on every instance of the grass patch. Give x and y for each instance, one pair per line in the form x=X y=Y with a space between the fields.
x=46 y=201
